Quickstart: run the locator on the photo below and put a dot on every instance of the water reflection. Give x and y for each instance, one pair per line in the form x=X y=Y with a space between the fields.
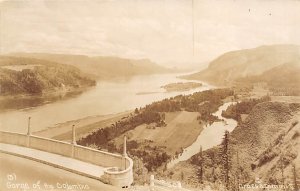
x=16 y=103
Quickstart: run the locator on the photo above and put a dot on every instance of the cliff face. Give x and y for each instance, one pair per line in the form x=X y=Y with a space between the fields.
x=33 y=76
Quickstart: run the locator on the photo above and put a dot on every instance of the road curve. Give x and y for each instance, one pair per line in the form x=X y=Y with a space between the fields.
x=18 y=173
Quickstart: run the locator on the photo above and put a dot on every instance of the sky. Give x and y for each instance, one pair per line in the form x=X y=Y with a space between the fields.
x=170 y=32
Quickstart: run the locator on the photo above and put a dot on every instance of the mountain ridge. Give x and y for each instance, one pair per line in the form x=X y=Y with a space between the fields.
x=103 y=67
x=233 y=65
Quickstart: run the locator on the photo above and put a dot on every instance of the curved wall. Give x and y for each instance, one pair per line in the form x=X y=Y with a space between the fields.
x=118 y=168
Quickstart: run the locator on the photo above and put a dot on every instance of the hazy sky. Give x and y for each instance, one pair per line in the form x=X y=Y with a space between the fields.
x=159 y=30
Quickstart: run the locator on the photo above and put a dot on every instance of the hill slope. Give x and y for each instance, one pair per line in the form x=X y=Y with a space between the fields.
x=34 y=76
x=251 y=62
x=267 y=143
x=281 y=80
x=104 y=68
x=287 y=73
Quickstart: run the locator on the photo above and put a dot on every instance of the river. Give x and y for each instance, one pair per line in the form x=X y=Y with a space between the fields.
x=209 y=137
x=104 y=98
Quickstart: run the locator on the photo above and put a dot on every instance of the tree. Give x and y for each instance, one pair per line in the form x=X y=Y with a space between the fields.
x=200 y=170
x=282 y=169
x=182 y=176
x=225 y=157
x=295 y=177
x=212 y=157
x=238 y=171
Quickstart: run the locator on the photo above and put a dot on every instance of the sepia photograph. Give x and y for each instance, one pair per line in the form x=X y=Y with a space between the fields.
x=150 y=95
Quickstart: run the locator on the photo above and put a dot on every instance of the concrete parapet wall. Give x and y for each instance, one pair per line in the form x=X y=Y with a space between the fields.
x=13 y=138
x=51 y=146
x=119 y=178
x=100 y=158
x=118 y=170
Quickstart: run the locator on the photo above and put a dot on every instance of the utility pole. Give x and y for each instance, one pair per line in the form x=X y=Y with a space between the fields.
x=28 y=129
x=28 y=133
x=124 y=146
x=73 y=141
x=73 y=135
x=125 y=151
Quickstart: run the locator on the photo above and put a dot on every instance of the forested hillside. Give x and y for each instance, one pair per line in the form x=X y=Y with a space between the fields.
x=33 y=76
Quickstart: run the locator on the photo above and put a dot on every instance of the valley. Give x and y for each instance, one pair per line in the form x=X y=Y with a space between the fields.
x=174 y=126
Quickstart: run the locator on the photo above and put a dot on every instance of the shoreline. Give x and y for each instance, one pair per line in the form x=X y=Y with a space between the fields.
x=25 y=101
x=63 y=131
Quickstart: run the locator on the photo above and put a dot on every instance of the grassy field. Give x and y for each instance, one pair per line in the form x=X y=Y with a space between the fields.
x=182 y=130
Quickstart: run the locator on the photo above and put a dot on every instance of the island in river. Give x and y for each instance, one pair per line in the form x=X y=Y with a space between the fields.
x=181 y=86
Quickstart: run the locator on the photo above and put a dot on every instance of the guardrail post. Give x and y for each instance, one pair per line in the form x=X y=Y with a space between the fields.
x=151 y=182
x=73 y=140
x=73 y=135
x=179 y=184
x=28 y=133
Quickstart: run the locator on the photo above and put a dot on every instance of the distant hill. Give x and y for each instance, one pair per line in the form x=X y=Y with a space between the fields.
x=288 y=73
x=104 y=68
x=281 y=80
x=34 y=76
x=250 y=62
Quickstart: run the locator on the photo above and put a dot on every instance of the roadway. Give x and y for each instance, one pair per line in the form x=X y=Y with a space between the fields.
x=18 y=173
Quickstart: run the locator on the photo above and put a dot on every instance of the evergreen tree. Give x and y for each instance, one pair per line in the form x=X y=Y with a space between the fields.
x=295 y=177
x=200 y=170
x=225 y=159
x=182 y=176
x=213 y=162
x=238 y=171
x=282 y=170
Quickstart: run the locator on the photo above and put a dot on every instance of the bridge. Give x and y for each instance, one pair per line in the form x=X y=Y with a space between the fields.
x=109 y=168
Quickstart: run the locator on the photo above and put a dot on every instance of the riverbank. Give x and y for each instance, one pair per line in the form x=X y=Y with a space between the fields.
x=63 y=131
x=24 y=101
x=210 y=136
